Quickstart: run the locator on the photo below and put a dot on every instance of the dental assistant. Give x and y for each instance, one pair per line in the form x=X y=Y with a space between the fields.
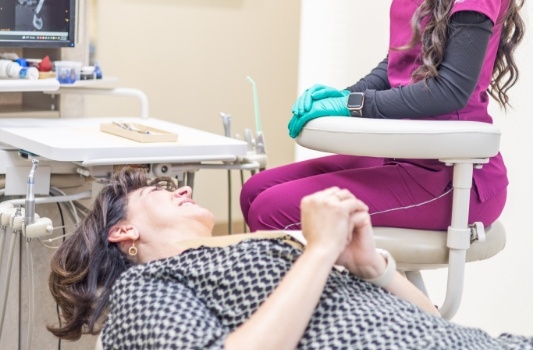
x=446 y=59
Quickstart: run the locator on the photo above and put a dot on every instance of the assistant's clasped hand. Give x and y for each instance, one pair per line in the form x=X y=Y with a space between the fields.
x=317 y=101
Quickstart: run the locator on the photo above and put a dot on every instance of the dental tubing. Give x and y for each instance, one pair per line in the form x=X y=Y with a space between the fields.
x=15 y=219
x=25 y=221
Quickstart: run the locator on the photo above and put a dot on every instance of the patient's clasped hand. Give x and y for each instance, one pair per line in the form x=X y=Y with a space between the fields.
x=143 y=268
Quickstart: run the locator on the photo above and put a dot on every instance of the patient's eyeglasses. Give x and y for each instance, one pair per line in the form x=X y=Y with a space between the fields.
x=163 y=183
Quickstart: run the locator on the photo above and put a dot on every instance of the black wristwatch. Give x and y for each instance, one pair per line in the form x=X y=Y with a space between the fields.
x=355 y=103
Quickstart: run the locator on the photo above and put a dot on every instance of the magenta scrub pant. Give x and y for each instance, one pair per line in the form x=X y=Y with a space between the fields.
x=395 y=194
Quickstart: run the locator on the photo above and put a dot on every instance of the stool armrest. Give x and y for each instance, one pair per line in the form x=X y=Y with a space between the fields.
x=421 y=139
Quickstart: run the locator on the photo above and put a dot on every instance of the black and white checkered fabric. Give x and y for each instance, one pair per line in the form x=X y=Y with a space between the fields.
x=194 y=300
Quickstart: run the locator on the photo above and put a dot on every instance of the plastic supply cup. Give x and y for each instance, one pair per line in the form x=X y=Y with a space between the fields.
x=68 y=72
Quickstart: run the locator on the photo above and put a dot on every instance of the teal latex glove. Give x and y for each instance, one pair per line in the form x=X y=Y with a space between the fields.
x=325 y=93
x=331 y=106
x=316 y=92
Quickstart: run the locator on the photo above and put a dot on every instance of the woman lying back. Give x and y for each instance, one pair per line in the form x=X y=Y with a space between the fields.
x=144 y=268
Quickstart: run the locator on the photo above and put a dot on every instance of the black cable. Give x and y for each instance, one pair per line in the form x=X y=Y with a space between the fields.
x=64 y=236
x=230 y=219
x=59 y=319
x=242 y=184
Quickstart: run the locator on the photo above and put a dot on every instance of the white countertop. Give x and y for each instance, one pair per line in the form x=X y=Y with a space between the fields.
x=80 y=140
x=11 y=85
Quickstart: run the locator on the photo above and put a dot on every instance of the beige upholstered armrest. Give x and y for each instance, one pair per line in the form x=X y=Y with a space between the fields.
x=423 y=139
x=425 y=249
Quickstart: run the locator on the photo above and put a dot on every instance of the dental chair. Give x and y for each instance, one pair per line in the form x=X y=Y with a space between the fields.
x=462 y=144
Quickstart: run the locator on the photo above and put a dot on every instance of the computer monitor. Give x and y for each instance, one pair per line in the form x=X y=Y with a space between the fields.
x=37 y=23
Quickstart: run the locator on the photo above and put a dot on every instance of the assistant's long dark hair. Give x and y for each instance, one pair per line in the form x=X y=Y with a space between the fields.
x=86 y=265
x=435 y=34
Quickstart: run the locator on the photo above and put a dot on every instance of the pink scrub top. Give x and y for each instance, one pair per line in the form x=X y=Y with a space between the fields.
x=492 y=179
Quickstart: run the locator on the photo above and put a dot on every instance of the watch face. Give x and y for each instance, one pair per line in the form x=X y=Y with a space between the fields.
x=355 y=100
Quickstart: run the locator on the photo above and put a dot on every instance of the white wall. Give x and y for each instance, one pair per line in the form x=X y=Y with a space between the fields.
x=340 y=42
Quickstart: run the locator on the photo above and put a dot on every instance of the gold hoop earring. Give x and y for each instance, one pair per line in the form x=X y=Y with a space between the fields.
x=133 y=250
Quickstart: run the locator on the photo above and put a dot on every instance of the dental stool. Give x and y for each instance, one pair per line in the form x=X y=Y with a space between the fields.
x=462 y=144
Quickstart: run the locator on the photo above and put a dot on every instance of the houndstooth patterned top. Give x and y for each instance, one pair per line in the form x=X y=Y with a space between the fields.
x=194 y=300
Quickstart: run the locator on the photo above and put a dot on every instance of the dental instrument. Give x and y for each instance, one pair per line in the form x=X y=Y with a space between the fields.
x=260 y=147
x=29 y=203
x=259 y=153
x=226 y=121
x=258 y=128
x=131 y=127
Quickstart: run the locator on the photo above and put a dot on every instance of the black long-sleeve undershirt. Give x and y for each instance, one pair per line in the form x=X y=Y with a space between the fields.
x=458 y=74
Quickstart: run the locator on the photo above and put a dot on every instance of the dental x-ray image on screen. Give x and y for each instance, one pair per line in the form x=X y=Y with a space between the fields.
x=37 y=23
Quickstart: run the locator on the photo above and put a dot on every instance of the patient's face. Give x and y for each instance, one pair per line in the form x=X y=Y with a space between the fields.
x=156 y=208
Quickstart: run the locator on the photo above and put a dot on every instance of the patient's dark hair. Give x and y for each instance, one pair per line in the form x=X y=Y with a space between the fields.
x=86 y=265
